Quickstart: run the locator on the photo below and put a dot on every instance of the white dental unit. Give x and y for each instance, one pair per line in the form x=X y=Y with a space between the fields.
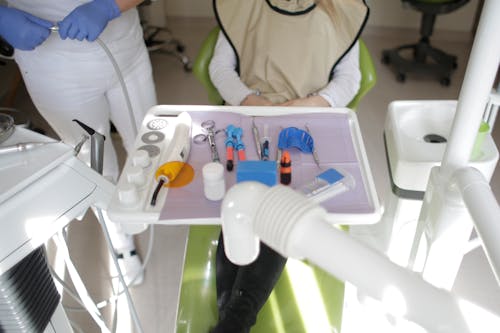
x=457 y=199
x=41 y=190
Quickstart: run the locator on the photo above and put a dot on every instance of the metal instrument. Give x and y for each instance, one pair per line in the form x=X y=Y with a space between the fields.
x=209 y=127
x=314 y=152
x=256 y=138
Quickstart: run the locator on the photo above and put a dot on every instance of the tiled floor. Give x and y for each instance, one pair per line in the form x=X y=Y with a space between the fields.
x=174 y=86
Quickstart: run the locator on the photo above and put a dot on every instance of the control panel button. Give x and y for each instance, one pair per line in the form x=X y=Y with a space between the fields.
x=127 y=194
x=141 y=159
x=135 y=175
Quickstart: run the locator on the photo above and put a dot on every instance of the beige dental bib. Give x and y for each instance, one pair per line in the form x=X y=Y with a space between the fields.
x=287 y=49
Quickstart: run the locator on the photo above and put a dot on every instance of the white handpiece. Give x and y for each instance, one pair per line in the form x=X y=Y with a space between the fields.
x=179 y=147
x=178 y=151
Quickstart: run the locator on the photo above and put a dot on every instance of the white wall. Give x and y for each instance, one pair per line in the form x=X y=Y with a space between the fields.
x=193 y=8
x=154 y=14
x=384 y=13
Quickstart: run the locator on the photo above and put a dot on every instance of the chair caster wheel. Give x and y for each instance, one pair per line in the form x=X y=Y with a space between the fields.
x=401 y=77
x=386 y=59
x=188 y=67
x=445 y=81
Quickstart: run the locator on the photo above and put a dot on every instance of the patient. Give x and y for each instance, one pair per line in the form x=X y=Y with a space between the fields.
x=281 y=53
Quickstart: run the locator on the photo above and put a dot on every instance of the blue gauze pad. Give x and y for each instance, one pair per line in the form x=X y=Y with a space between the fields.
x=331 y=176
x=325 y=185
x=265 y=172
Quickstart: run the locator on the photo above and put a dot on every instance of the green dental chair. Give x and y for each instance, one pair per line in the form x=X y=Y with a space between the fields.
x=202 y=61
x=305 y=296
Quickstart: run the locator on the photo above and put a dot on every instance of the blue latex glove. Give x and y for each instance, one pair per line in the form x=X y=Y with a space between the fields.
x=22 y=30
x=88 y=20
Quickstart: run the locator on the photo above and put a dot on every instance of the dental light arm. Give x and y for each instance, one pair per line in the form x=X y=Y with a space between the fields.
x=297 y=227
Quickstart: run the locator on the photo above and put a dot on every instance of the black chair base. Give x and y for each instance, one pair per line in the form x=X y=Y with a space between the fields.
x=170 y=46
x=420 y=58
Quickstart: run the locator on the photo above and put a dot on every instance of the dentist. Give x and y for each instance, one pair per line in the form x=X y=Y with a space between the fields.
x=69 y=76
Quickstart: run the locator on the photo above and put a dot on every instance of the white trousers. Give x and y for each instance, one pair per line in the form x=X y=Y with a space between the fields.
x=69 y=79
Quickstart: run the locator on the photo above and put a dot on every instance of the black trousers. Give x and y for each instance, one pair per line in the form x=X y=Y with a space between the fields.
x=243 y=290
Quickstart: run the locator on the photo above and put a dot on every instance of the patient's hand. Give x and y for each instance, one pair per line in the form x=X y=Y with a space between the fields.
x=254 y=100
x=306 y=101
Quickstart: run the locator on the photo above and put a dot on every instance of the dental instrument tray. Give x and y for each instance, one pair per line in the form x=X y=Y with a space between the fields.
x=338 y=144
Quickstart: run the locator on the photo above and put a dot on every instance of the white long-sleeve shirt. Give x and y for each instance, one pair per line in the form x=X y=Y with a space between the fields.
x=338 y=92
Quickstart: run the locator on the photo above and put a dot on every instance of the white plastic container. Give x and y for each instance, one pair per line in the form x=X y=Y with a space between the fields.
x=214 y=185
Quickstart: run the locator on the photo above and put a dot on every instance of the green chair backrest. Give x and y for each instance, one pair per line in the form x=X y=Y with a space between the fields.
x=368 y=75
x=202 y=61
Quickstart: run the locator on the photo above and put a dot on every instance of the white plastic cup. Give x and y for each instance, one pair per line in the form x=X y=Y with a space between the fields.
x=214 y=185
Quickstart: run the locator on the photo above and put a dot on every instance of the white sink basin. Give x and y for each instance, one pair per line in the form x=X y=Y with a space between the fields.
x=416 y=133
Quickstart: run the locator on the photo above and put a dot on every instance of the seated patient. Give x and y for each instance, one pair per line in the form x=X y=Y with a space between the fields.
x=283 y=53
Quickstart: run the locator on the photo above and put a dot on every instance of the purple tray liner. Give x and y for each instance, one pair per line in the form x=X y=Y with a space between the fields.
x=333 y=141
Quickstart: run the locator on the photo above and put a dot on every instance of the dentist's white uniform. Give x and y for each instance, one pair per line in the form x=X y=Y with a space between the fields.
x=71 y=79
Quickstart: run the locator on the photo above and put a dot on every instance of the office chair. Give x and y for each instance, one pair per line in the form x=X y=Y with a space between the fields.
x=6 y=53
x=9 y=94
x=281 y=313
x=422 y=56
x=170 y=45
x=6 y=50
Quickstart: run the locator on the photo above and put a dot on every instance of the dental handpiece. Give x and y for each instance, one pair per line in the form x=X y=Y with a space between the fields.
x=256 y=138
x=96 y=147
x=23 y=146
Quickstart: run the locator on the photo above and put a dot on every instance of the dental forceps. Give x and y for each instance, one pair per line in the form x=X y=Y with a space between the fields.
x=209 y=127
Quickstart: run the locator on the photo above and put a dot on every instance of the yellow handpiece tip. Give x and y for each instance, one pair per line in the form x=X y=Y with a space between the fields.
x=170 y=170
x=178 y=173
